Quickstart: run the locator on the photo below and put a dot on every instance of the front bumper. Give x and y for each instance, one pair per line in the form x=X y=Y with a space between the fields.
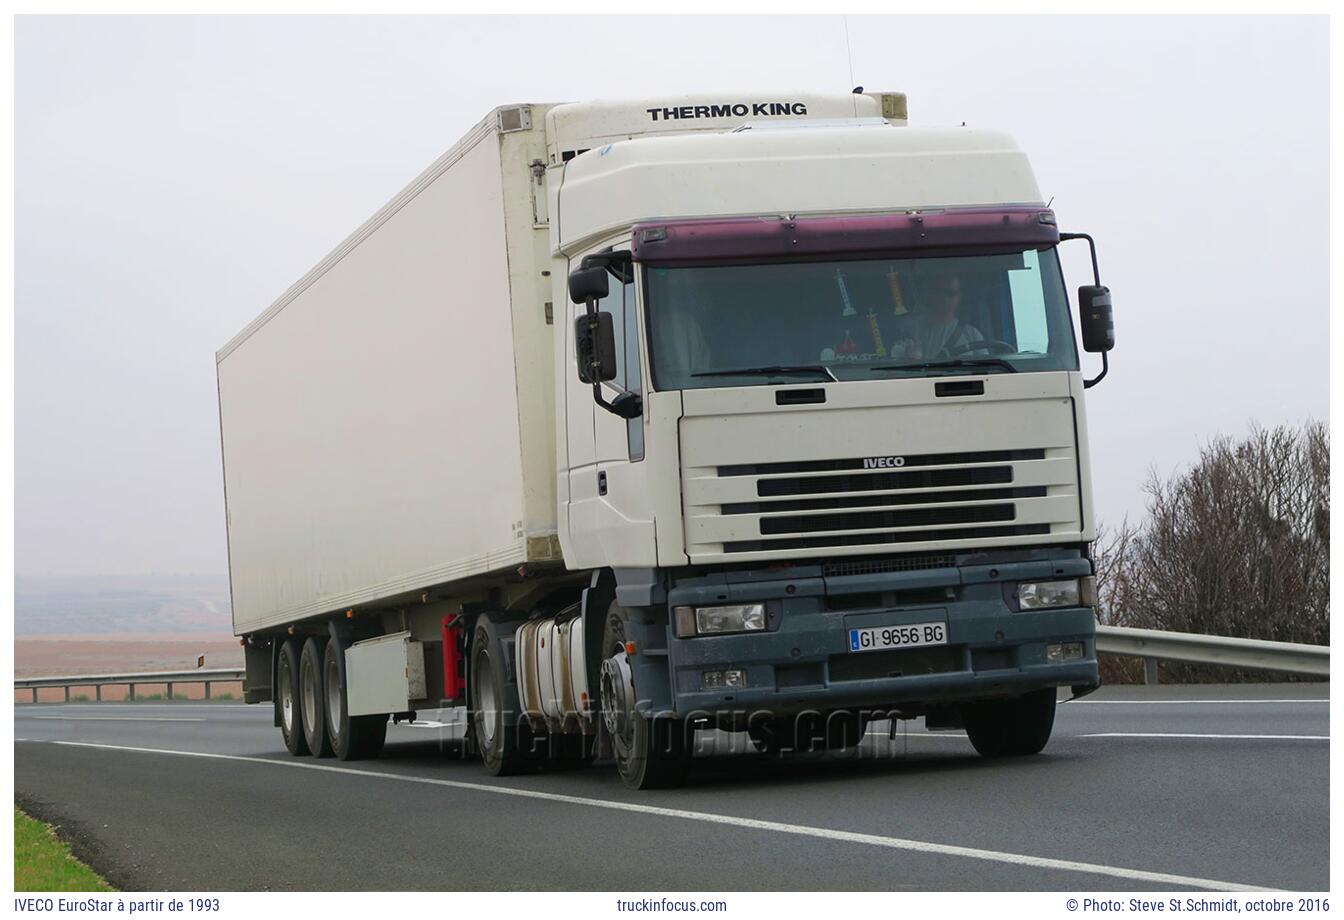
x=804 y=662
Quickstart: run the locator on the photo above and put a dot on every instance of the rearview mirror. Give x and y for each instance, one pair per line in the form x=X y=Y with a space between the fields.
x=587 y=284
x=1094 y=308
x=595 y=343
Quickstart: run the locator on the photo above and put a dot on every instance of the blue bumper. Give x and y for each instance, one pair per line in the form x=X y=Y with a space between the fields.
x=804 y=660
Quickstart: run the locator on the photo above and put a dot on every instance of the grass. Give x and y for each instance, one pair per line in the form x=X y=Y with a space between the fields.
x=43 y=863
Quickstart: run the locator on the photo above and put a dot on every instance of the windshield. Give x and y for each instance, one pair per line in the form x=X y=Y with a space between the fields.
x=740 y=325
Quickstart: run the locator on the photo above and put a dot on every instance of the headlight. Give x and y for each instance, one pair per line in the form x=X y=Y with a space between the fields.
x=707 y=621
x=1035 y=595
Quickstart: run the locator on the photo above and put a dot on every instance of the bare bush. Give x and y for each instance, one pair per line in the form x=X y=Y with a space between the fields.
x=1238 y=545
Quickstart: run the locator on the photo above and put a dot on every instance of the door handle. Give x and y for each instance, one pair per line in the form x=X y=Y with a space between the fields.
x=601 y=482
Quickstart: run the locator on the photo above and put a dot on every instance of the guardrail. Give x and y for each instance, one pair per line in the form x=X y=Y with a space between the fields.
x=1155 y=645
x=205 y=676
x=1152 y=645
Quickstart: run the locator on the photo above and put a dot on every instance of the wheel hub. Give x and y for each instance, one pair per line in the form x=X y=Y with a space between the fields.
x=618 y=697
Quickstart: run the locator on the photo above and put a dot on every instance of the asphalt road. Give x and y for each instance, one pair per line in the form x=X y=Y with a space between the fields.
x=1162 y=788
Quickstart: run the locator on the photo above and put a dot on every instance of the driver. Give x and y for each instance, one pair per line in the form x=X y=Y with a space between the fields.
x=937 y=329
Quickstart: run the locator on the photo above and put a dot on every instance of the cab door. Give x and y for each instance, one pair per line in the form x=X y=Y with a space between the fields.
x=610 y=516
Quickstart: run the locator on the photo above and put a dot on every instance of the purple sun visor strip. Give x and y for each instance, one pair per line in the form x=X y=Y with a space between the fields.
x=773 y=237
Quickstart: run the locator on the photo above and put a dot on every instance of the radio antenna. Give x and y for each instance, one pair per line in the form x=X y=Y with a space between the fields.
x=849 y=56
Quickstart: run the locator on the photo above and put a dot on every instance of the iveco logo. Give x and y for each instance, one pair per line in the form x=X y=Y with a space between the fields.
x=882 y=463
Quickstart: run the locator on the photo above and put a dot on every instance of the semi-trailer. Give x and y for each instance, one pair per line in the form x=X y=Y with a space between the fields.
x=626 y=420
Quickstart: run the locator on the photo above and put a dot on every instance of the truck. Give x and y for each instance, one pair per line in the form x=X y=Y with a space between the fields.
x=630 y=420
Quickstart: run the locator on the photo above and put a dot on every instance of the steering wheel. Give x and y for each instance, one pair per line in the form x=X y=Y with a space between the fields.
x=995 y=346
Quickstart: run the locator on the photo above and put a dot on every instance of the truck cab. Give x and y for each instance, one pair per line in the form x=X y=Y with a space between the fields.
x=821 y=413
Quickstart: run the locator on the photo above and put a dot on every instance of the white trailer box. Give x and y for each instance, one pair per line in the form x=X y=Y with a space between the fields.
x=388 y=423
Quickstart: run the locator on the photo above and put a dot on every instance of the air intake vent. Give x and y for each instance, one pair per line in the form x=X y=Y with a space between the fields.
x=879 y=566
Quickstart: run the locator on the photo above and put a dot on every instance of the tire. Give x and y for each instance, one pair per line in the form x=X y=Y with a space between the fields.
x=505 y=742
x=1011 y=728
x=651 y=753
x=287 y=690
x=352 y=737
x=312 y=697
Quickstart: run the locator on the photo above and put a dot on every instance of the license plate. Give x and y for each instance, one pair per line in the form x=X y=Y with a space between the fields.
x=911 y=636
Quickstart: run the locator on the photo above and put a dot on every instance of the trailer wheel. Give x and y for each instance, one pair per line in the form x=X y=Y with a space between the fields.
x=503 y=739
x=287 y=681
x=312 y=698
x=651 y=753
x=352 y=737
x=1011 y=728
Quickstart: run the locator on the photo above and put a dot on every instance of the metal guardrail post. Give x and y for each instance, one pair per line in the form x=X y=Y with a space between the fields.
x=1150 y=671
x=131 y=694
x=169 y=690
x=207 y=689
x=98 y=692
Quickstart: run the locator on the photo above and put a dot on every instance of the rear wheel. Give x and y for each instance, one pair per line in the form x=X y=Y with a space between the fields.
x=287 y=688
x=504 y=741
x=352 y=737
x=651 y=753
x=312 y=705
x=1011 y=728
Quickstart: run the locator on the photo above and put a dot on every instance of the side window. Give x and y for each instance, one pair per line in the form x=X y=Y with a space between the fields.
x=620 y=303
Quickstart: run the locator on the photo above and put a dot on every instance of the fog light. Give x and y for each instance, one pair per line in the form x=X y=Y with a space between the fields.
x=1034 y=595
x=720 y=680
x=1064 y=651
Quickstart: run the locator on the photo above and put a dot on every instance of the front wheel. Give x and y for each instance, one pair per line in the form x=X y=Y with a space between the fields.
x=651 y=752
x=1011 y=728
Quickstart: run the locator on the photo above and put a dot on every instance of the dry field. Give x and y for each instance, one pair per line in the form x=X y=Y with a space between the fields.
x=41 y=656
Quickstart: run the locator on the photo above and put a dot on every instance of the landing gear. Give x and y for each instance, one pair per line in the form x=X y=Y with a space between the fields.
x=651 y=752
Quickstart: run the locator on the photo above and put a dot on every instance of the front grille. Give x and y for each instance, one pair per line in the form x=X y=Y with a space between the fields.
x=865 y=482
x=859 y=463
x=877 y=504
x=874 y=520
x=881 y=566
x=868 y=501
x=870 y=539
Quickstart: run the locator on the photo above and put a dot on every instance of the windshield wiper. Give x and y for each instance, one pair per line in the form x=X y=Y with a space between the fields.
x=772 y=369
x=953 y=363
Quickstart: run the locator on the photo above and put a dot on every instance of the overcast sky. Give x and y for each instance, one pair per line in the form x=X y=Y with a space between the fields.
x=174 y=175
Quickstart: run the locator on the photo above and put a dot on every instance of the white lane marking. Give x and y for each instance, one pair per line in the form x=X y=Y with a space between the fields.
x=894 y=843
x=119 y=718
x=1201 y=735
x=883 y=733
x=1178 y=702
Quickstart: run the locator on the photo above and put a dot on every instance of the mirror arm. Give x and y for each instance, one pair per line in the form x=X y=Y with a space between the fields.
x=590 y=308
x=1105 y=366
x=1092 y=245
x=1096 y=279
